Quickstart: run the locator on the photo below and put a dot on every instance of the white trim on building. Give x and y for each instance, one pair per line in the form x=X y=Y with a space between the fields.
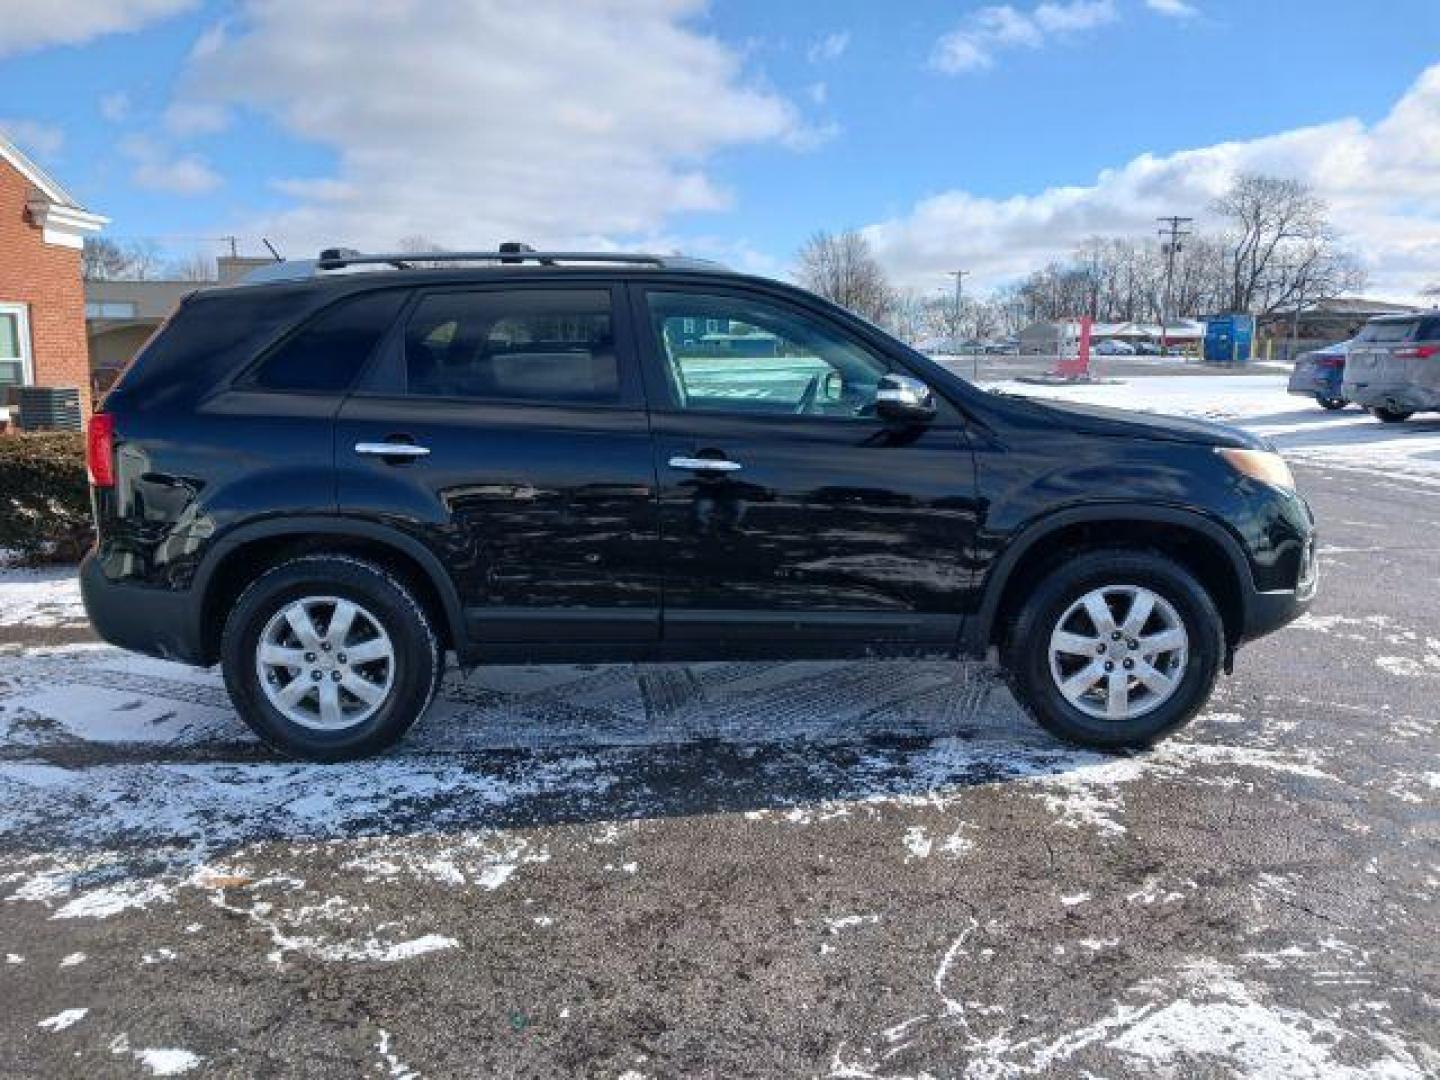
x=62 y=220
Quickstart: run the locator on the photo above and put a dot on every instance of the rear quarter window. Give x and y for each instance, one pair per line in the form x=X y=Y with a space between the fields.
x=327 y=354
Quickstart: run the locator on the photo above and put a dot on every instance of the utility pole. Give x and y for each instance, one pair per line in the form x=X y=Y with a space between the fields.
x=1174 y=232
x=959 y=276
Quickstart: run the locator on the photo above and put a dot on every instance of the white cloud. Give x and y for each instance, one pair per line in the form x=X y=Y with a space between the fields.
x=827 y=48
x=1382 y=183
x=40 y=140
x=158 y=170
x=1174 y=9
x=36 y=24
x=972 y=45
x=196 y=118
x=474 y=122
x=115 y=107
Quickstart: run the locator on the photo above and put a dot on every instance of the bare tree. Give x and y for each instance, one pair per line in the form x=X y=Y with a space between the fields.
x=1280 y=249
x=104 y=259
x=841 y=267
x=907 y=317
x=421 y=245
x=197 y=266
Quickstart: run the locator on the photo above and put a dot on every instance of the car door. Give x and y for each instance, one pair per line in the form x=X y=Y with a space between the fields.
x=793 y=520
x=505 y=427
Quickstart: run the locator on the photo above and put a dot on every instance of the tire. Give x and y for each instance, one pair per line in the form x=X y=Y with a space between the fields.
x=1390 y=416
x=395 y=674
x=1332 y=404
x=1057 y=604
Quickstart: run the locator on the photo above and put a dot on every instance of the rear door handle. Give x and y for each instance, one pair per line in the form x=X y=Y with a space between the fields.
x=705 y=464
x=391 y=449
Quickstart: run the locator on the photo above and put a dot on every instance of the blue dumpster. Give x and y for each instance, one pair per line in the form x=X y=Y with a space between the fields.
x=1228 y=339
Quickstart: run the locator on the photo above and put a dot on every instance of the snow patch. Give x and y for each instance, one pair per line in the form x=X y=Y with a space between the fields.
x=168 y=1062
x=42 y=598
x=63 y=1019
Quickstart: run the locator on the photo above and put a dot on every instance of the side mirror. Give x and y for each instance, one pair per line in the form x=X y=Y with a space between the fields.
x=900 y=397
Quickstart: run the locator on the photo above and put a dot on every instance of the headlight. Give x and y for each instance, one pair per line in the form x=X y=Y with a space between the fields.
x=1264 y=465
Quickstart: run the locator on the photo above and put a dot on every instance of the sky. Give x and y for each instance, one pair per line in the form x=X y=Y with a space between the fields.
x=988 y=137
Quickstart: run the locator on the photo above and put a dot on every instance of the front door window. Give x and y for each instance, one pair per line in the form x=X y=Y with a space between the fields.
x=14 y=346
x=756 y=357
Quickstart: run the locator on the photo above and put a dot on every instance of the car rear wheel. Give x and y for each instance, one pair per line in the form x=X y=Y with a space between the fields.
x=329 y=657
x=1115 y=649
x=1332 y=404
x=1390 y=416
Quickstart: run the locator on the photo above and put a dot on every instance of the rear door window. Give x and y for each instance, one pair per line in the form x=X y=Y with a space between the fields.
x=1388 y=331
x=534 y=345
x=327 y=354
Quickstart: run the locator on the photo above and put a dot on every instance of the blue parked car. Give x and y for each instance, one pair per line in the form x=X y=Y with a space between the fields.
x=1319 y=373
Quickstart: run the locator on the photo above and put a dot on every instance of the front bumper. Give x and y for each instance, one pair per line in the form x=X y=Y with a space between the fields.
x=156 y=622
x=1268 y=611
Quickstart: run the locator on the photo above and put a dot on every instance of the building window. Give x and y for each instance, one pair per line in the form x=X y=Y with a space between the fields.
x=110 y=309
x=14 y=346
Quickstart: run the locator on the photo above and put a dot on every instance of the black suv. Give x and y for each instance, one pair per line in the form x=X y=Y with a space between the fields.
x=329 y=478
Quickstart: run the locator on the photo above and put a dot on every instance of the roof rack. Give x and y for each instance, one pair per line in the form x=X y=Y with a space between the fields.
x=511 y=253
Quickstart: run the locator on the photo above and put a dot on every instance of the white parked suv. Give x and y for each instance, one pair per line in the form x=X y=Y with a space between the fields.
x=1393 y=368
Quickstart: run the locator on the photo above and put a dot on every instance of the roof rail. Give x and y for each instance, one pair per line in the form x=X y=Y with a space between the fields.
x=340 y=259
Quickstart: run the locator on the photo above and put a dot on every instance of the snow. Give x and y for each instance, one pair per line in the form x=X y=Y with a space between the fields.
x=1260 y=404
x=45 y=598
x=63 y=1019
x=166 y=1062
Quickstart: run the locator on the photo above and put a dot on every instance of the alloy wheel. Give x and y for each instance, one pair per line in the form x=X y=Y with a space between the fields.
x=325 y=663
x=1118 y=652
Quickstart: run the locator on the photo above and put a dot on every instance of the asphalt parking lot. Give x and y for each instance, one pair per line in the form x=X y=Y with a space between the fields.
x=743 y=870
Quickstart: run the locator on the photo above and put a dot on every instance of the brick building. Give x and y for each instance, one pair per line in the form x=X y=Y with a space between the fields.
x=42 y=296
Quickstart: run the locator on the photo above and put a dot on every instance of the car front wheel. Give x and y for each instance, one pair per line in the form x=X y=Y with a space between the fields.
x=1390 y=416
x=329 y=657
x=1115 y=649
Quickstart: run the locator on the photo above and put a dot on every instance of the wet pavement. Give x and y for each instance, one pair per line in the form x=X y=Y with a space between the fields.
x=728 y=870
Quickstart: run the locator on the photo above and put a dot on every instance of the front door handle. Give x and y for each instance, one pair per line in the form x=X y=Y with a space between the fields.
x=391 y=449
x=705 y=464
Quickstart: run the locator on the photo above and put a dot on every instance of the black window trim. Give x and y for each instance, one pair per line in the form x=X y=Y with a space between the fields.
x=385 y=375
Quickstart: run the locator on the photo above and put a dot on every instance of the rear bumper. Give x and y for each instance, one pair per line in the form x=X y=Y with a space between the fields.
x=1314 y=387
x=156 y=622
x=1399 y=396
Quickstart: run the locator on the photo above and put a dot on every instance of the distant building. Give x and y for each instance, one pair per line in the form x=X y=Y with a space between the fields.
x=120 y=316
x=1061 y=337
x=1324 y=322
x=42 y=304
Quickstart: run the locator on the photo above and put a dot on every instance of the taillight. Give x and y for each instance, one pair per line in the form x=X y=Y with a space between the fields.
x=100 y=450
x=1330 y=361
x=1417 y=352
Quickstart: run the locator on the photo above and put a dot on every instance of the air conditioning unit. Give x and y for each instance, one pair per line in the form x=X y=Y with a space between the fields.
x=47 y=408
